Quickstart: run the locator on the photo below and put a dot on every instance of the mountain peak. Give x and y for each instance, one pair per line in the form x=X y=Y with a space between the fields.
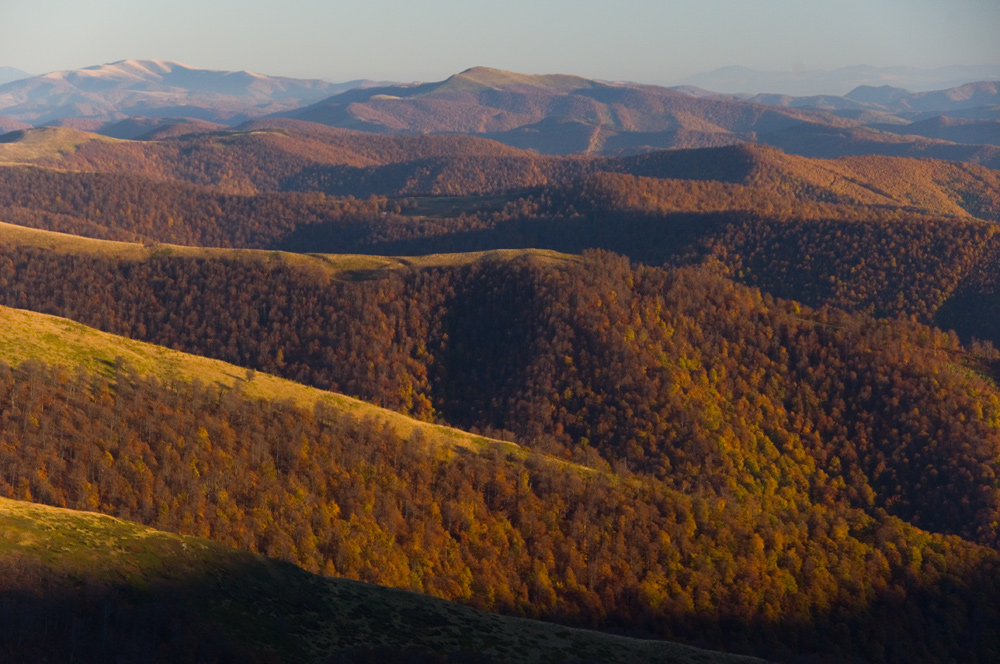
x=487 y=77
x=146 y=63
x=871 y=94
x=121 y=71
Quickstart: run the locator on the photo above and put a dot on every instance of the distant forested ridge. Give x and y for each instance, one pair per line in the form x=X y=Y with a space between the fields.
x=879 y=235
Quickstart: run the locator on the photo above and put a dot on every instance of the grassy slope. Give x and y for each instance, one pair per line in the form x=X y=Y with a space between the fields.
x=26 y=335
x=260 y=144
x=300 y=616
x=343 y=267
x=30 y=145
x=929 y=185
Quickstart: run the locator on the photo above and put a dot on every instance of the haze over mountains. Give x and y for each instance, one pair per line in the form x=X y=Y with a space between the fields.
x=550 y=114
x=736 y=79
x=8 y=74
x=156 y=88
x=567 y=114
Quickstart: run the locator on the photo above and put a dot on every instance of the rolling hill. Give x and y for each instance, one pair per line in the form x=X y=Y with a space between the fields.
x=956 y=130
x=7 y=126
x=892 y=100
x=549 y=114
x=59 y=342
x=894 y=122
x=267 y=155
x=930 y=186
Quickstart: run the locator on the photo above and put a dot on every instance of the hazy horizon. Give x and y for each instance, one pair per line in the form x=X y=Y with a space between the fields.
x=637 y=41
x=731 y=79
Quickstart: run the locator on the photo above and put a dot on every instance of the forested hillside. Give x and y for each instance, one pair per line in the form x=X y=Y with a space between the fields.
x=772 y=572
x=597 y=360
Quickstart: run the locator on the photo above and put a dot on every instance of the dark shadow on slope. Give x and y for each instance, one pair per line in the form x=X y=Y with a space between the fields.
x=643 y=238
x=972 y=314
x=241 y=608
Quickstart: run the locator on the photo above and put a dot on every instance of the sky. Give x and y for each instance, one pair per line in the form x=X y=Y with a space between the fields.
x=649 y=41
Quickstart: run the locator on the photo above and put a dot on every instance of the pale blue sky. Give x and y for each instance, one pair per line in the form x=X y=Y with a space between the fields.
x=640 y=40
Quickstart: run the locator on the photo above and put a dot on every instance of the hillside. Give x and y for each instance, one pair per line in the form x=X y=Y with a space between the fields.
x=957 y=130
x=548 y=114
x=141 y=128
x=892 y=100
x=761 y=516
x=930 y=186
x=273 y=155
x=762 y=214
x=313 y=189
x=957 y=123
x=165 y=597
x=469 y=102
x=7 y=126
x=59 y=342
x=830 y=142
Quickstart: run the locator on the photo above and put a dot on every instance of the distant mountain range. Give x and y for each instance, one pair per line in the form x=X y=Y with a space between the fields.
x=549 y=114
x=981 y=96
x=155 y=88
x=733 y=80
x=556 y=113
x=568 y=114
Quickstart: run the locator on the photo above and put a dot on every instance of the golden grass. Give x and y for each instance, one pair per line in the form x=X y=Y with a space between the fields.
x=47 y=142
x=26 y=335
x=94 y=540
x=324 y=266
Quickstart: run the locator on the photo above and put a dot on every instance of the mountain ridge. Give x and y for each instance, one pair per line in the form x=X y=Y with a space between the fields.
x=117 y=90
x=737 y=79
x=545 y=113
x=560 y=114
